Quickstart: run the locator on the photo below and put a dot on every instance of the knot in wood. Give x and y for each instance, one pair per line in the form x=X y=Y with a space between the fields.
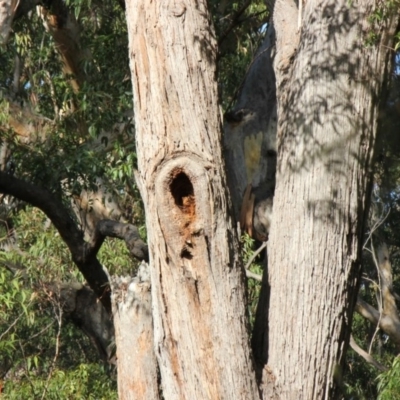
x=178 y=10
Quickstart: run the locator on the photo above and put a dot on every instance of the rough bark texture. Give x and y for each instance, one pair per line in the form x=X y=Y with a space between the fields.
x=127 y=232
x=285 y=20
x=136 y=360
x=197 y=280
x=326 y=133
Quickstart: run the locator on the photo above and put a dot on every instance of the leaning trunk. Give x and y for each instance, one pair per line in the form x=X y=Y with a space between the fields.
x=197 y=279
x=328 y=113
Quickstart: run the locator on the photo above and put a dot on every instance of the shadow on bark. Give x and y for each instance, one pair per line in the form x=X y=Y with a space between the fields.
x=259 y=340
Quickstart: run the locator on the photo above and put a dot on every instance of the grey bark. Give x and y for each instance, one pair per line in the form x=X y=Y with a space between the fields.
x=367 y=357
x=328 y=93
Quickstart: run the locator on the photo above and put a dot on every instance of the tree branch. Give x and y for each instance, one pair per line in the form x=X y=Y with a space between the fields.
x=250 y=274
x=367 y=311
x=81 y=305
x=235 y=21
x=81 y=252
x=64 y=29
x=388 y=318
x=389 y=325
x=127 y=232
x=367 y=357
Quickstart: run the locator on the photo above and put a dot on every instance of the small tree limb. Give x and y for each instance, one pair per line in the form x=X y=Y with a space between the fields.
x=389 y=325
x=255 y=254
x=367 y=357
x=127 y=232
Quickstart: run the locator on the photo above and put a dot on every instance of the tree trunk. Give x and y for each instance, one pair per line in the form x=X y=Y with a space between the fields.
x=201 y=337
x=137 y=365
x=327 y=123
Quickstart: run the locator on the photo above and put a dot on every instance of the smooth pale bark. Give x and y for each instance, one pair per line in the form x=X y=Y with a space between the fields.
x=326 y=132
x=201 y=339
x=136 y=360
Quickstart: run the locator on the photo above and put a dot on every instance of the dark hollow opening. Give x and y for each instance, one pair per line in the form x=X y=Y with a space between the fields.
x=185 y=253
x=181 y=188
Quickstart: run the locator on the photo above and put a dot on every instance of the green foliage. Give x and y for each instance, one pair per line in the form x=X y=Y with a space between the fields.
x=40 y=351
x=397 y=42
x=74 y=119
x=86 y=381
x=16 y=313
x=253 y=286
x=360 y=377
x=41 y=250
x=389 y=382
x=115 y=256
x=240 y=27
x=382 y=11
x=86 y=133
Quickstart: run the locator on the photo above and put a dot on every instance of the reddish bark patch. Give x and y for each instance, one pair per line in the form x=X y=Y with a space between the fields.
x=183 y=194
